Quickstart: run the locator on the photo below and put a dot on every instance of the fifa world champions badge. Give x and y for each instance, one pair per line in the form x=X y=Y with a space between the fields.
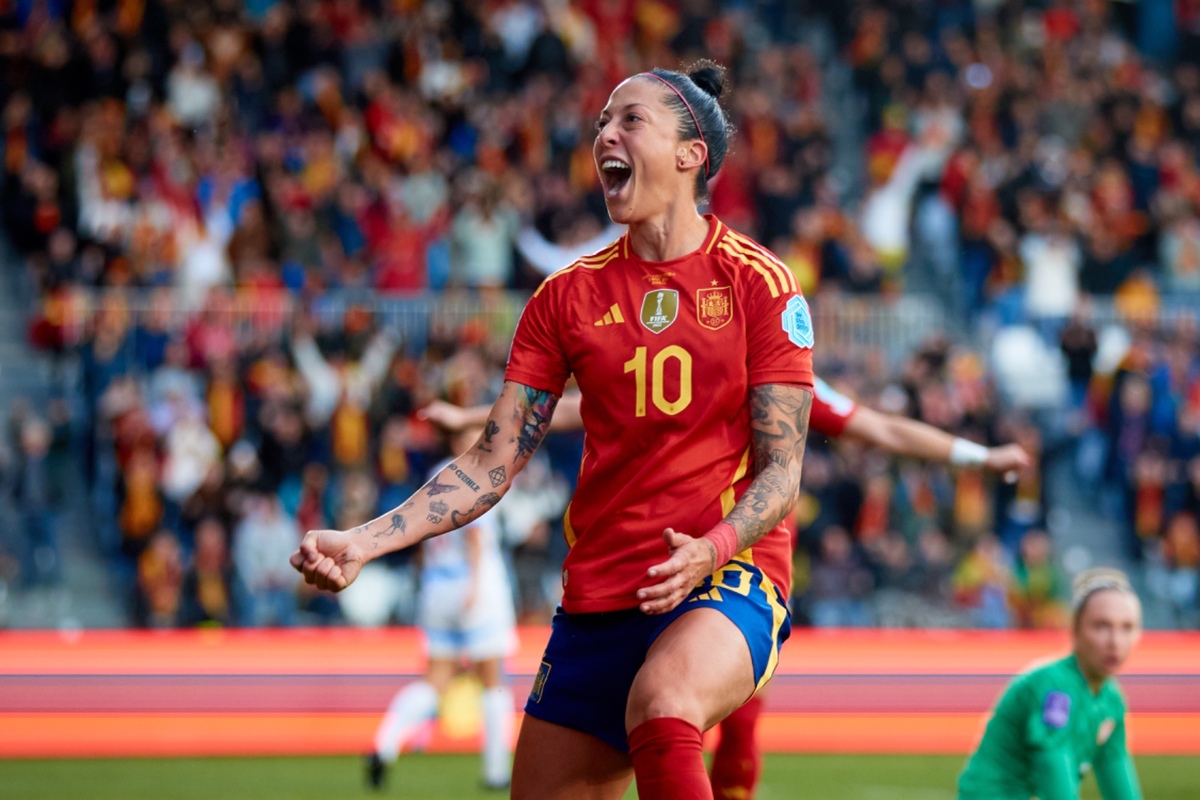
x=660 y=307
x=1056 y=709
x=714 y=307
x=797 y=322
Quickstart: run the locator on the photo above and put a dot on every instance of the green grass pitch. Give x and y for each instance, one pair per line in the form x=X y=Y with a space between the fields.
x=443 y=777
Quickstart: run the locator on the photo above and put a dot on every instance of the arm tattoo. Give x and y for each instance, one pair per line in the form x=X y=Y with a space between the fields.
x=481 y=505
x=490 y=430
x=398 y=524
x=497 y=476
x=465 y=478
x=436 y=488
x=533 y=412
x=530 y=420
x=779 y=426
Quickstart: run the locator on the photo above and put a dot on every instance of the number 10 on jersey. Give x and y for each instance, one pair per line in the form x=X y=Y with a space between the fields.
x=658 y=367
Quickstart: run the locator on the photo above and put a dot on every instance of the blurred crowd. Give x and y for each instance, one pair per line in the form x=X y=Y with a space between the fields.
x=211 y=446
x=1045 y=157
x=170 y=167
x=904 y=543
x=1139 y=446
x=1005 y=153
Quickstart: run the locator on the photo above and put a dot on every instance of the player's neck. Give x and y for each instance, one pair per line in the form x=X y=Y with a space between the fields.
x=1094 y=679
x=672 y=235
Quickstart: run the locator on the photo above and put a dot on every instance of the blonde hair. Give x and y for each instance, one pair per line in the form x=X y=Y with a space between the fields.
x=1091 y=581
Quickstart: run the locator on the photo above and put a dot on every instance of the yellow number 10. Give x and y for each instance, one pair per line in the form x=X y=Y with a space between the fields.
x=637 y=365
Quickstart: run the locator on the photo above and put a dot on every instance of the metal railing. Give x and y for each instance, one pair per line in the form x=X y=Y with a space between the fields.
x=846 y=326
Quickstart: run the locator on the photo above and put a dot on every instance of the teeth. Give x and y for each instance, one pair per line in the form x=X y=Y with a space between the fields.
x=613 y=163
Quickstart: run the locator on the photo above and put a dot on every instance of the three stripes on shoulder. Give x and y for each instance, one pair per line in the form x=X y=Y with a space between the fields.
x=611 y=318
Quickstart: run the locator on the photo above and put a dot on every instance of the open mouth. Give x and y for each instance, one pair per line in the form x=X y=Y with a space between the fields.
x=615 y=175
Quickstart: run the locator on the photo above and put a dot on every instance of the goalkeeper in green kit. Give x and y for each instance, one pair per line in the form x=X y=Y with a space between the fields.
x=1057 y=722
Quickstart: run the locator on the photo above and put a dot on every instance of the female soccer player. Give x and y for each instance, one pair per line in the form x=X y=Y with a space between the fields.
x=1056 y=723
x=693 y=350
x=737 y=762
x=465 y=609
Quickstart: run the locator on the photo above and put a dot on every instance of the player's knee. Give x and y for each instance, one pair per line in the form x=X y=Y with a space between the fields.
x=489 y=673
x=658 y=699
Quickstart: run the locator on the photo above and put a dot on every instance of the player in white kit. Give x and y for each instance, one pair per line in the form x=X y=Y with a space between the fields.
x=465 y=609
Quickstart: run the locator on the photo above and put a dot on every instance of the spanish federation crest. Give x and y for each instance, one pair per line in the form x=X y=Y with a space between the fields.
x=797 y=322
x=714 y=307
x=660 y=307
x=539 y=682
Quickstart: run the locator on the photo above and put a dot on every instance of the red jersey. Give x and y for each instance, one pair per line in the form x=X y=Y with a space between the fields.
x=665 y=353
x=831 y=411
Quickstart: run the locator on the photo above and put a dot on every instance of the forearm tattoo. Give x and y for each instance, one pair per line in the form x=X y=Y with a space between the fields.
x=779 y=427
x=497 y=476
x=481 y=505
x=436 y=488
x=465 y=478
x=531 y=412
x=396 y=523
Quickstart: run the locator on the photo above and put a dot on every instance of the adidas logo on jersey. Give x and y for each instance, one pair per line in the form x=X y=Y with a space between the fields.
x=611 y=318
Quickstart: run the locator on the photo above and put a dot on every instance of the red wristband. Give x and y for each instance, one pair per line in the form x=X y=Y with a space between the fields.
x=724 y=538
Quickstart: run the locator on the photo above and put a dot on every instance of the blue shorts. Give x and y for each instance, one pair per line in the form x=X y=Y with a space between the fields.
x=591 y=660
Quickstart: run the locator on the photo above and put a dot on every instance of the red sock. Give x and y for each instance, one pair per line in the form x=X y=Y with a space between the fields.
x=668 y=761
x=737 y=762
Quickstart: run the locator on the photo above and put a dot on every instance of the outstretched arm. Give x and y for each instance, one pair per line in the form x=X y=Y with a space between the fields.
x=899 y=435
x=779 y=425
x=461 y=492
x=547 y=257
x=910 y=437
x=567 y=416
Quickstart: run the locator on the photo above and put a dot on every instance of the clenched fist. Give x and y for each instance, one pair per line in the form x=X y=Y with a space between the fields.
x=1009 y=460
x=329 y=559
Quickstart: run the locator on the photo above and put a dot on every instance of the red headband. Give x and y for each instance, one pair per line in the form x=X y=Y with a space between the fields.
x=688 y=106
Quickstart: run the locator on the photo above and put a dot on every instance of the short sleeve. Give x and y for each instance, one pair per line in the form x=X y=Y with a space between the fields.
x=779 y=337
x=831 y=410
x=537 y=358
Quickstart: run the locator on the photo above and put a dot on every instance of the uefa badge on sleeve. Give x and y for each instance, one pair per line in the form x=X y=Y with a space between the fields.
x=797 y=322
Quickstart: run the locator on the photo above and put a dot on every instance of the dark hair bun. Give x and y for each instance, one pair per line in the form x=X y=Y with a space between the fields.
x=709 y=77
